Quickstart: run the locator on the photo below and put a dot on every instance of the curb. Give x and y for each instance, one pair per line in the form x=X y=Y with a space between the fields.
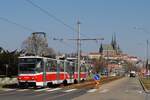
x=144 y=88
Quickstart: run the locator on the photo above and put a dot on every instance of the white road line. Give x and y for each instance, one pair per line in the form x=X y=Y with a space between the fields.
x=22 y=90
x=70 y=90
x=1 y=89
x=92 y=90
x=104 y=91
x=126 y=91
x=138 y=91
x=8 y=89
x=54 y=89
x=38 y=90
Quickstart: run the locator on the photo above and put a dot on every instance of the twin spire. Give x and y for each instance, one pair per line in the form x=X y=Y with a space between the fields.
x=114 y=45
x=114 y=42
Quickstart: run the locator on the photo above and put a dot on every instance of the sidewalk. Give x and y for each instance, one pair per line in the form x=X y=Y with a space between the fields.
x=122 y=89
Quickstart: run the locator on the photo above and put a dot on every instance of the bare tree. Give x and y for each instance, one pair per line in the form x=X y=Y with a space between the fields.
x=1 y=49
x=99 y=65
x=50 y=52
x=36 y=44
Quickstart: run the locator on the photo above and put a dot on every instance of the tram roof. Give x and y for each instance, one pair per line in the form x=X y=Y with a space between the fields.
x=44 y=58
x=35 y=57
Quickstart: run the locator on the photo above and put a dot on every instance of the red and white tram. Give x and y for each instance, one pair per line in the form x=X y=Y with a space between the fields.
x=43 y=71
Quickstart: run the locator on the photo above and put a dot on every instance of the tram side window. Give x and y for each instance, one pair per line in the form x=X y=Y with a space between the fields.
x=70 y=68
x=52 y=65
x=39 y=66
x=75 y=67
x=61 y=66
x=67 y=67
x=83 y=68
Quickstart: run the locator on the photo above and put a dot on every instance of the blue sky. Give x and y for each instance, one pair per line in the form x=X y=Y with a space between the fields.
x=99 y=18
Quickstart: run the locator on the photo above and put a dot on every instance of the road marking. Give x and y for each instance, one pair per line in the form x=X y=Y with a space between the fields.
x=92 y=90
x=138 y=91
x=126 y=91
x=8 y=89
x=104 y=91
x=22 y=90
x=38 y=90
x=54 y=89
x=70 y=90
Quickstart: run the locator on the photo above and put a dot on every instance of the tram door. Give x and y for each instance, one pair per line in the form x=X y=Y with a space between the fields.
x=70 y=71
x=59 y=69
x=53 y=68
x=44 y=72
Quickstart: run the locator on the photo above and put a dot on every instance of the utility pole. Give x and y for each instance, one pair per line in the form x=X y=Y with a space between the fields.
x=78 y=49
x=78 y=39
x=147 y=55
x=147 y=49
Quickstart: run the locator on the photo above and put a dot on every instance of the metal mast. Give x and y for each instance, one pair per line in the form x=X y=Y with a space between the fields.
x=78 y=39
x=147 y=56
x=78 y=49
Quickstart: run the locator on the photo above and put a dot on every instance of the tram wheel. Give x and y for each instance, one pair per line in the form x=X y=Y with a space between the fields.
x=65 y=82
x=23 y=85
x=75 y=81
x=82 y=80
x=50 y=84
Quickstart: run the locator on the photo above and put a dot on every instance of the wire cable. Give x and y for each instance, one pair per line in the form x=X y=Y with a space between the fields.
x=52 y=16
x=14 y=23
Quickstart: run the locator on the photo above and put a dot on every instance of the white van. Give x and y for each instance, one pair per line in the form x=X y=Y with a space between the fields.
x=132 y=73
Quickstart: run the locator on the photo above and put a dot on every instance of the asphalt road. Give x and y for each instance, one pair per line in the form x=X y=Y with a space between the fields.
x=122 y=89
x=41 y=94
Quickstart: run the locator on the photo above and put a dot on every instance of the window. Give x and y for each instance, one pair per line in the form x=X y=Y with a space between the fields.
x=51 y=65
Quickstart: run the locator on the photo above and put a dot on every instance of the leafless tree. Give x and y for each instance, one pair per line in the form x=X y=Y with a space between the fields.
x=36 y=44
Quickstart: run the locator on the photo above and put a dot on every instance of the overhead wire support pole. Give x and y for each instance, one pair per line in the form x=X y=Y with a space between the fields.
x=78 y=49
x=147 y=56
x=78 y=39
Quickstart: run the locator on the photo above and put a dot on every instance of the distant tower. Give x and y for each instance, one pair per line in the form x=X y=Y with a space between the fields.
x=114 y=42
x=101 y=49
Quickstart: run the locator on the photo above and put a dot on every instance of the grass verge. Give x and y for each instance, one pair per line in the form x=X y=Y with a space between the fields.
x=91 y=83
x=146 y=83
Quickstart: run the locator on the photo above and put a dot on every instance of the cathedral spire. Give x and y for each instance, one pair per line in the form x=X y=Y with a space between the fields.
x=114 y=42
x=101 y=48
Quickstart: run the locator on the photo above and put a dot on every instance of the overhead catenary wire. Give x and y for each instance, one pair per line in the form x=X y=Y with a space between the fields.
x=58 y=20
x=49 y=14
x=52 y=16
x=14 y=23
x=142 y=29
